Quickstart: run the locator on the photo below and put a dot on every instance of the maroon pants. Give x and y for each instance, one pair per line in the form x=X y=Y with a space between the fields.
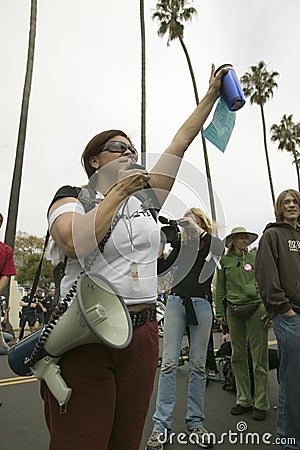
x=111 y=391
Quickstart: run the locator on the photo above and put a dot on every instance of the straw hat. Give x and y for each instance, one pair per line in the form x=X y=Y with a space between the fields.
x=240 y=230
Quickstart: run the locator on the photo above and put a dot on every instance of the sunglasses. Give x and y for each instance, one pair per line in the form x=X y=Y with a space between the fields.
x=120 y=147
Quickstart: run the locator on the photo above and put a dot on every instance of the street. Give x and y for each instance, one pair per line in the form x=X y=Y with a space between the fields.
x=23 y=425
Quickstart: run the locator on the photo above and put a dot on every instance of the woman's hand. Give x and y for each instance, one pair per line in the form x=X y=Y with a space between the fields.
x=130 y=180
x=267 y=320
x=193 y=230
x=215 y=81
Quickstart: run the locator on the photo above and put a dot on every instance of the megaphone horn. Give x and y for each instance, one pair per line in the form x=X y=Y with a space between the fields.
x=96 y=315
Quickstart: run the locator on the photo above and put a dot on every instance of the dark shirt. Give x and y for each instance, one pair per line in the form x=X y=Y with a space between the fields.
x=278 y=268
x=48 y=303
x=191 y=258
x=27 y=309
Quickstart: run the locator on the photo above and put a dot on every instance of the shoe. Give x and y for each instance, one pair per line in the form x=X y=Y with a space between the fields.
x=239 y=409
x=201 y=437
x=155 y=441
x=259 y=414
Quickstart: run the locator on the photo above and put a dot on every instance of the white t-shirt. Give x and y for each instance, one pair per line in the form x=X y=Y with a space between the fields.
x=129 y=258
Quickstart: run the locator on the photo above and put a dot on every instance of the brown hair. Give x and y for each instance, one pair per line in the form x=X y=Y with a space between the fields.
x=95 y=146
x=279 y=205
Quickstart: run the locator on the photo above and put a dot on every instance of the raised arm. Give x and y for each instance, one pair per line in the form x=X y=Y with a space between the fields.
x=163 y=174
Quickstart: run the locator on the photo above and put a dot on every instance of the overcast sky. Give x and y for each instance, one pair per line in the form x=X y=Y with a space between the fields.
x=87 y=79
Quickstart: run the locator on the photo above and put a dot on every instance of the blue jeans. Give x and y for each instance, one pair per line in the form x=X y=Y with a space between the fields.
x=4 y=348
x=287 y=331
x=174 y=327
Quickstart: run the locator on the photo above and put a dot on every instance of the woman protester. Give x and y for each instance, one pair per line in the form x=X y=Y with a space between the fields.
x=111 y=388
x=194 y=255
x=237 y=297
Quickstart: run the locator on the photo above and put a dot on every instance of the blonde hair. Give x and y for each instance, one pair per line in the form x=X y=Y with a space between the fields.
x=205 y=220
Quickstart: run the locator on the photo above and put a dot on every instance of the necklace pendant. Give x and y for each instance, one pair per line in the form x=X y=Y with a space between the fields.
x=135 y=276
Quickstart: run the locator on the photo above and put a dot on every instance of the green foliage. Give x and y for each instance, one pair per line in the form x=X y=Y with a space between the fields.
x=27 y=244
x=287 y=135
x=171 y=14
x=259 y=83
x=27 y=255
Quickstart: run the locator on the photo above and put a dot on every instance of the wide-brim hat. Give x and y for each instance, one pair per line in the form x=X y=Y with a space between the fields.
x=239 y=230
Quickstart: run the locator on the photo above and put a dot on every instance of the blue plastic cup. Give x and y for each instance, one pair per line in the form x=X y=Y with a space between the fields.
x=231 y=90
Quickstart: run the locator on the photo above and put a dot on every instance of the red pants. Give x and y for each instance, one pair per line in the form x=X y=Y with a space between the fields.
x=110 y=397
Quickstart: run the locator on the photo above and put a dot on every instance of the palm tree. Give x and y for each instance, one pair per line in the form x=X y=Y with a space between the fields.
x=287 y=134
x=17 y=175
x=171 y=14
x=143 y=99
x=259 y=85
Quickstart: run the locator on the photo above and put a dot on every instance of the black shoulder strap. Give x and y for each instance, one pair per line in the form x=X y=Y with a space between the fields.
x=38 y=272
x=149 y=201
x=88 y=198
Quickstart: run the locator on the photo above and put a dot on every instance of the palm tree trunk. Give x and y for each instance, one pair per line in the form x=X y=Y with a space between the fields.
x=266 y=153
x=11 y=227
x=206 y=161
x=297 y=167
x=143 y=99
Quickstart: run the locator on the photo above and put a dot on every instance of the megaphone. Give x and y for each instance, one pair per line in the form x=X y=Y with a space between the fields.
x=96 y=315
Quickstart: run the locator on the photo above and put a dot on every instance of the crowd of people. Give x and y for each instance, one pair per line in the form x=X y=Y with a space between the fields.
x=112 y=387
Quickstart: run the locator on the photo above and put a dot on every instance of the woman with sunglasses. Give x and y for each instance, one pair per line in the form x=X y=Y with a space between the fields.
x=111 y=388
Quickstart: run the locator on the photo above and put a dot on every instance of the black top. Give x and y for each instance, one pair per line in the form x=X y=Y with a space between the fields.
x=197 y=281
x=27 y=309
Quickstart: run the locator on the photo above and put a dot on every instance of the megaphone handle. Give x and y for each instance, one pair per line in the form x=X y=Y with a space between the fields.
x=46 y=369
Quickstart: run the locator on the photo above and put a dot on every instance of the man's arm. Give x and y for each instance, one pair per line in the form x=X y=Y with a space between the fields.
x=30 y=304
x=42 y=307
x=4 y=282
x=268 y=278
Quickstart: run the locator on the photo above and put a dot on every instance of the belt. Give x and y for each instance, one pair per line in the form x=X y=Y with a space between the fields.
x=191 y=318
x=141 y=317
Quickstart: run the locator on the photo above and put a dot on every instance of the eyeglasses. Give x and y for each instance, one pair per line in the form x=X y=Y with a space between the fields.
x=120 y=147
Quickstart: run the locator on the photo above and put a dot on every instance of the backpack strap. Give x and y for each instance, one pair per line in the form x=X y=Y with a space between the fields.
x=149 y=201
x=88 y=198
x=38 y=272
